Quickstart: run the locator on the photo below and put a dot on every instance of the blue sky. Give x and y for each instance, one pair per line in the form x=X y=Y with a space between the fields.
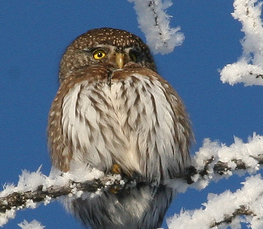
x=34 y=35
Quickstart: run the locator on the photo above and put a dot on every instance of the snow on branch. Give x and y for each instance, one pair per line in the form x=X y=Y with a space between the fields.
x=215 y=161
x=32 y=225
x=212 y=162
x=154 y=23
x=249 y=68
x=227 y=209
x=35 y=187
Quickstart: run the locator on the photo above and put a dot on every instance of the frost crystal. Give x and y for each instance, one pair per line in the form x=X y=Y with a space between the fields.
x=32 y=225
x=154 y=23
x=248 y=200
x=249 y=69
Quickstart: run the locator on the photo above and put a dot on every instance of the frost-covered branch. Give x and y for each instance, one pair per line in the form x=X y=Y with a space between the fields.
x=228 y=219
x=227 y=209
x=31 y=225
x=212 y=162
x=249 y=68
x=34 y=188
x=154 y=23
x=22 y=199
x=215 y=161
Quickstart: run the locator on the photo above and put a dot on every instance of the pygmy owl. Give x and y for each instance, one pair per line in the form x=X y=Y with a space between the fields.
x=112 y=108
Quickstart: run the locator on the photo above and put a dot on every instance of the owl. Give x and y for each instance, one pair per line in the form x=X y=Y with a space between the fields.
x=113 y=110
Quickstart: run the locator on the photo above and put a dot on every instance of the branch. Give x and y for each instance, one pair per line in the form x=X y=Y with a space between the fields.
x=44 y=194
x=215 y=161
x=22 y=199
x=223 y=168
x=210 y=163
x=249 y=68
x=242 y=72
x=226 y=209
x=41 y=194
x=34 y=188
x=241 y=211
x=154 y=23
x=31 y=225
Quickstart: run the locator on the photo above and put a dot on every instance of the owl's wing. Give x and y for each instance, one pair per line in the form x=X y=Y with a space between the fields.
x=182 y=125
x=154 y=118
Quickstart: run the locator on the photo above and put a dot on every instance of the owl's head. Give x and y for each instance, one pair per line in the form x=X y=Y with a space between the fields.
x=106 y=46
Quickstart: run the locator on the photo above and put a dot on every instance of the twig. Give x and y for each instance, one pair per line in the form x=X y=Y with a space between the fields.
x=219 y=167
x=242 y=210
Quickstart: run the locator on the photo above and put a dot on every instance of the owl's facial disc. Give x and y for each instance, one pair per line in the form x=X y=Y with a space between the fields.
x=117 y=57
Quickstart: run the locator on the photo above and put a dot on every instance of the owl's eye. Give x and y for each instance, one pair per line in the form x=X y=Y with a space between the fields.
x=134 y=56
x=99 y=54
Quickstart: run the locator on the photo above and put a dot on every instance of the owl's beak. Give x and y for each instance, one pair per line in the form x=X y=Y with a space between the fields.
x=120 y=59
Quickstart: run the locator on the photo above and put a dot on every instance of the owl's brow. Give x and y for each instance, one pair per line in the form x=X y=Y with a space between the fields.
x=90 y=50
x=133 y=49
x=86 y=49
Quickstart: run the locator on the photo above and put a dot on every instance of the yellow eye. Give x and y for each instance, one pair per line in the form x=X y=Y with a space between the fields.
x=99 y=54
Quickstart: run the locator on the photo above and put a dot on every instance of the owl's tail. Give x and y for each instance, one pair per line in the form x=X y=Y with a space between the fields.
x=140 y=207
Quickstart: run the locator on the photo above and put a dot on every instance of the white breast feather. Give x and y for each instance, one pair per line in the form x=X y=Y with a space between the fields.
x=142 y=141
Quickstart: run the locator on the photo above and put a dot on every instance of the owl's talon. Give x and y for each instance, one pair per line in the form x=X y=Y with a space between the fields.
x=114 y=189
x=116 y=169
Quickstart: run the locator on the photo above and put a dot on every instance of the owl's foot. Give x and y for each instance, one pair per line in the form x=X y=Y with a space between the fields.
x=130 y=175
x=116 y=169
x=126 y=177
